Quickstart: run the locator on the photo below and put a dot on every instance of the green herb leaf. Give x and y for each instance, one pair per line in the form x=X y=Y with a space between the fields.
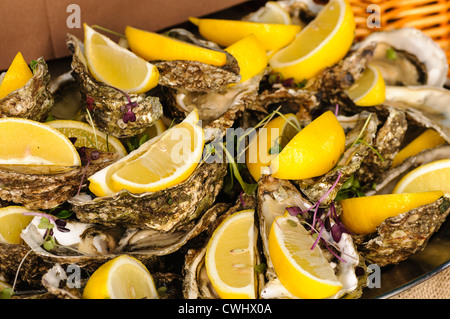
x=391 y=54
x=6 y=293
x=275 y=149
x=49 y=244
x=260 y=268
x=64 y=214
x=45 y=224
x=33 y=65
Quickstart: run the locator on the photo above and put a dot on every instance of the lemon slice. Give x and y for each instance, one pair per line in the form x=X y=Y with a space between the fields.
x=152 y=46
x=226 y=32
x=427 y=140
x=271 y=12
x=250 y=55
x=88 y=136
x=428 y=177
x=303 y=271
x=362 y=215
x=17 y=75
x=123 y=277
x=370 y=89
x=322 y=43
x=116 y=66
x=230 y=257
x=12 y=222
x=156 y=129
x=313 y=151
x=27 y=142
x=166 y=160
x=268 y=142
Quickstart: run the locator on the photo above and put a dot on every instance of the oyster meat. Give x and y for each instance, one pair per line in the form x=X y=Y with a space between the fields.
x=32 y=101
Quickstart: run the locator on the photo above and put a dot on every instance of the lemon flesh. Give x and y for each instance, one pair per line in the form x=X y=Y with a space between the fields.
x=116 y=66
x=123 y=277
x=370 y=89
x=362 y=215
x=12 y=222
x=17 y=75
x=87 y=136
x=35 y=143
x=427 y=140
x=428 y=177
x=313 y=151
x=322 y=43
x=230 y=259
x=226 y=32
x=303 y=271
x=166 y=160
x=265 y=145
x=152 y=46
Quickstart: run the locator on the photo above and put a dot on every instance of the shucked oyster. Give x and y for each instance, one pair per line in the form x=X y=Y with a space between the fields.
x=407 y=56
x=32 y=101
x=276 y=196
x=36 y=189
x=194 y=76
x=399 y=237
x=166 y=210
x=108 y=105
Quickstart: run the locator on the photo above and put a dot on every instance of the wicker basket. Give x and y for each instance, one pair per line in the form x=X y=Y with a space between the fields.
x=432 y=17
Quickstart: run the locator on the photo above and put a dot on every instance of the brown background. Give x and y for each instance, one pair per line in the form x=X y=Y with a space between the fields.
x=39 y=27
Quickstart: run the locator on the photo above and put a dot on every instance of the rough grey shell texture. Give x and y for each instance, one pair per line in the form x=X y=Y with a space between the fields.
x=43 y=191
x=166 y=210
x=399 y=237
x=32 y=101
x=194 y=76
x=107 y=104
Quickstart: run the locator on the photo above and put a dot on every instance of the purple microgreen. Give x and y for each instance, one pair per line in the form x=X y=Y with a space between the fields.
x=294 y=210
x=288 y=82
x=336 y=111
x=241 y=198
x=89 y=103
x=323 y=197
x=332 y=251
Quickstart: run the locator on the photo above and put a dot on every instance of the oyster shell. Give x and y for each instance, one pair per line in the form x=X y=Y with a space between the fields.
x=43 y=190
x=166 y=210
x=32 y=101
x=107 y=105
x=387 y=143
x=196 y=284
x=194 y=76
x=399 y=237
x=274 y=197
x=218 y=111
x=411 y=64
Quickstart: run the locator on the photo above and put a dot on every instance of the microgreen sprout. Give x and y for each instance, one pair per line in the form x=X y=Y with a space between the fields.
x=94 y=155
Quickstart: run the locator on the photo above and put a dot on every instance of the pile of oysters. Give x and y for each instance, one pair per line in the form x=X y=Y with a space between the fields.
x=168 y=230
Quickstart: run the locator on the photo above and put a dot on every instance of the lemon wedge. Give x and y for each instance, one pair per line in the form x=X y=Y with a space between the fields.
x=370 y=89
x=116 y=66
x=362 y=215
x=271 y=12
x=313 y=151
x=322 y=43
x=17 y=75
x=35 y=143
x=226 y=32
x=303 y=271
x=153 y=46
x=268 y=142
x=250 y=55
x=428 y=177
x=88 y=136
x=12 y=222
x=427 y=140
x=230 y=257
x=123 y=277
x=164 y=161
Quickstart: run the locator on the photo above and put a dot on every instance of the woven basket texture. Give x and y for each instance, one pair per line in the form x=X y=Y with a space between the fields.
x=432 y=17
